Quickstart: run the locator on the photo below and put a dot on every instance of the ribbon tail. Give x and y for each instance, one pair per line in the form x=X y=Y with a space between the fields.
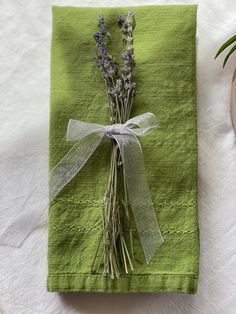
x=33 y=214
x=72 y=163
x=139 y=194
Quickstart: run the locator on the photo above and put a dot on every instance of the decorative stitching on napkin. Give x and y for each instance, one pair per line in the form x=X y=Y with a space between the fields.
x=99 y=229
x=97 y=203
x=126 y=275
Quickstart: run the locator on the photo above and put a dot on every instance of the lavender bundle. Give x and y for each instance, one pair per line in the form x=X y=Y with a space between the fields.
x=120 y=87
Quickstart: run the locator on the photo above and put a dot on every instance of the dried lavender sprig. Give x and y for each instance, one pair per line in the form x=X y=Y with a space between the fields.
x=127 y=25
x=111 y=219
x=109 y=69
x=120 y=92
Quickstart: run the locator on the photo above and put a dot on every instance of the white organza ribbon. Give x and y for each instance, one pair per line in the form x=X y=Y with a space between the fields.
x=87 y=137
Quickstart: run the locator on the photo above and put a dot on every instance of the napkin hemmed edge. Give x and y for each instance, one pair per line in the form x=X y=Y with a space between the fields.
x=181 y=283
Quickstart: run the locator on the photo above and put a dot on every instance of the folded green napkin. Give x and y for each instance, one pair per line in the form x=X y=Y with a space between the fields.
x=164 y=43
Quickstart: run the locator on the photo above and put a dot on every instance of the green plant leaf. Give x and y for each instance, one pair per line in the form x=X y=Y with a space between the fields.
x=225 y=45
x=229 y=54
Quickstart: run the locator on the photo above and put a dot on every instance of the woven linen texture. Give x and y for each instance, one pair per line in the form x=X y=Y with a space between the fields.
x=164 y=43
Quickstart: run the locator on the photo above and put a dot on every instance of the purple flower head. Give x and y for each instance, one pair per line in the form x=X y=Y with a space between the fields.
x=102 y=25
x=106 y=63
x=121 y=18
x=126 y=70
x=97 y=37
x=111 y=71
x=127 y=56
x=105 y=75
x=116 y=69
x=130 y=87
x=113 y=91
x=102 y=49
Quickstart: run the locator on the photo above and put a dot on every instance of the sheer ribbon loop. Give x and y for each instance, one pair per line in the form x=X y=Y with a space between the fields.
x=87 y=137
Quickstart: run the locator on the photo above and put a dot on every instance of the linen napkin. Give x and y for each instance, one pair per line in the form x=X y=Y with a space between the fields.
x=164 y=47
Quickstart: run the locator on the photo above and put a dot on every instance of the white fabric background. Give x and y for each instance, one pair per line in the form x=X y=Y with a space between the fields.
x=25 y=33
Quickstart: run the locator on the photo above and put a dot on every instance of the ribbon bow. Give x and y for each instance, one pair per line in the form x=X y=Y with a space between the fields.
x=87 y=137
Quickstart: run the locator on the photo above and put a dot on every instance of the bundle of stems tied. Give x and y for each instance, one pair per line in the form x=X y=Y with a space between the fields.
x=116 y=255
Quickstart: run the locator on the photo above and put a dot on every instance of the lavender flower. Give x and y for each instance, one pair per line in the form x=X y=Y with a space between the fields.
x=113 y=91
x=130 y=86
x=116 y=69
x=98 y=37
x=103 y=61
x=119 y=83
x=121 y=20
x=102 y=25
x=105 y=75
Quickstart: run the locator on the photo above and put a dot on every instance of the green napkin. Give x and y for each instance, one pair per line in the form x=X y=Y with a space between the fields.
x=166 y=86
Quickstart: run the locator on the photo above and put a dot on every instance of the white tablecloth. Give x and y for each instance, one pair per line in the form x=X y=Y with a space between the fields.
x=25 y=33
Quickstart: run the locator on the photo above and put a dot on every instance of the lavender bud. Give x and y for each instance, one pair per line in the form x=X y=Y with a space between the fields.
x=133 y=85
x=131 y=13
x=127 y=70
x=119 y=83
x=127 y=86
x=102 y=49
x=116 y=69
x=106 y=63
x=130 y=29
x=113 y=91
x=101 y=19
x=126 y=57
x=105 y=75
x=97 y=37
x=111 y=71
x=121 y=18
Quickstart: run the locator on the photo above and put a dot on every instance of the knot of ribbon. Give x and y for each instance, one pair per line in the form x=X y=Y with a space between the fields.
x=116 y=128
x=87 y=137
